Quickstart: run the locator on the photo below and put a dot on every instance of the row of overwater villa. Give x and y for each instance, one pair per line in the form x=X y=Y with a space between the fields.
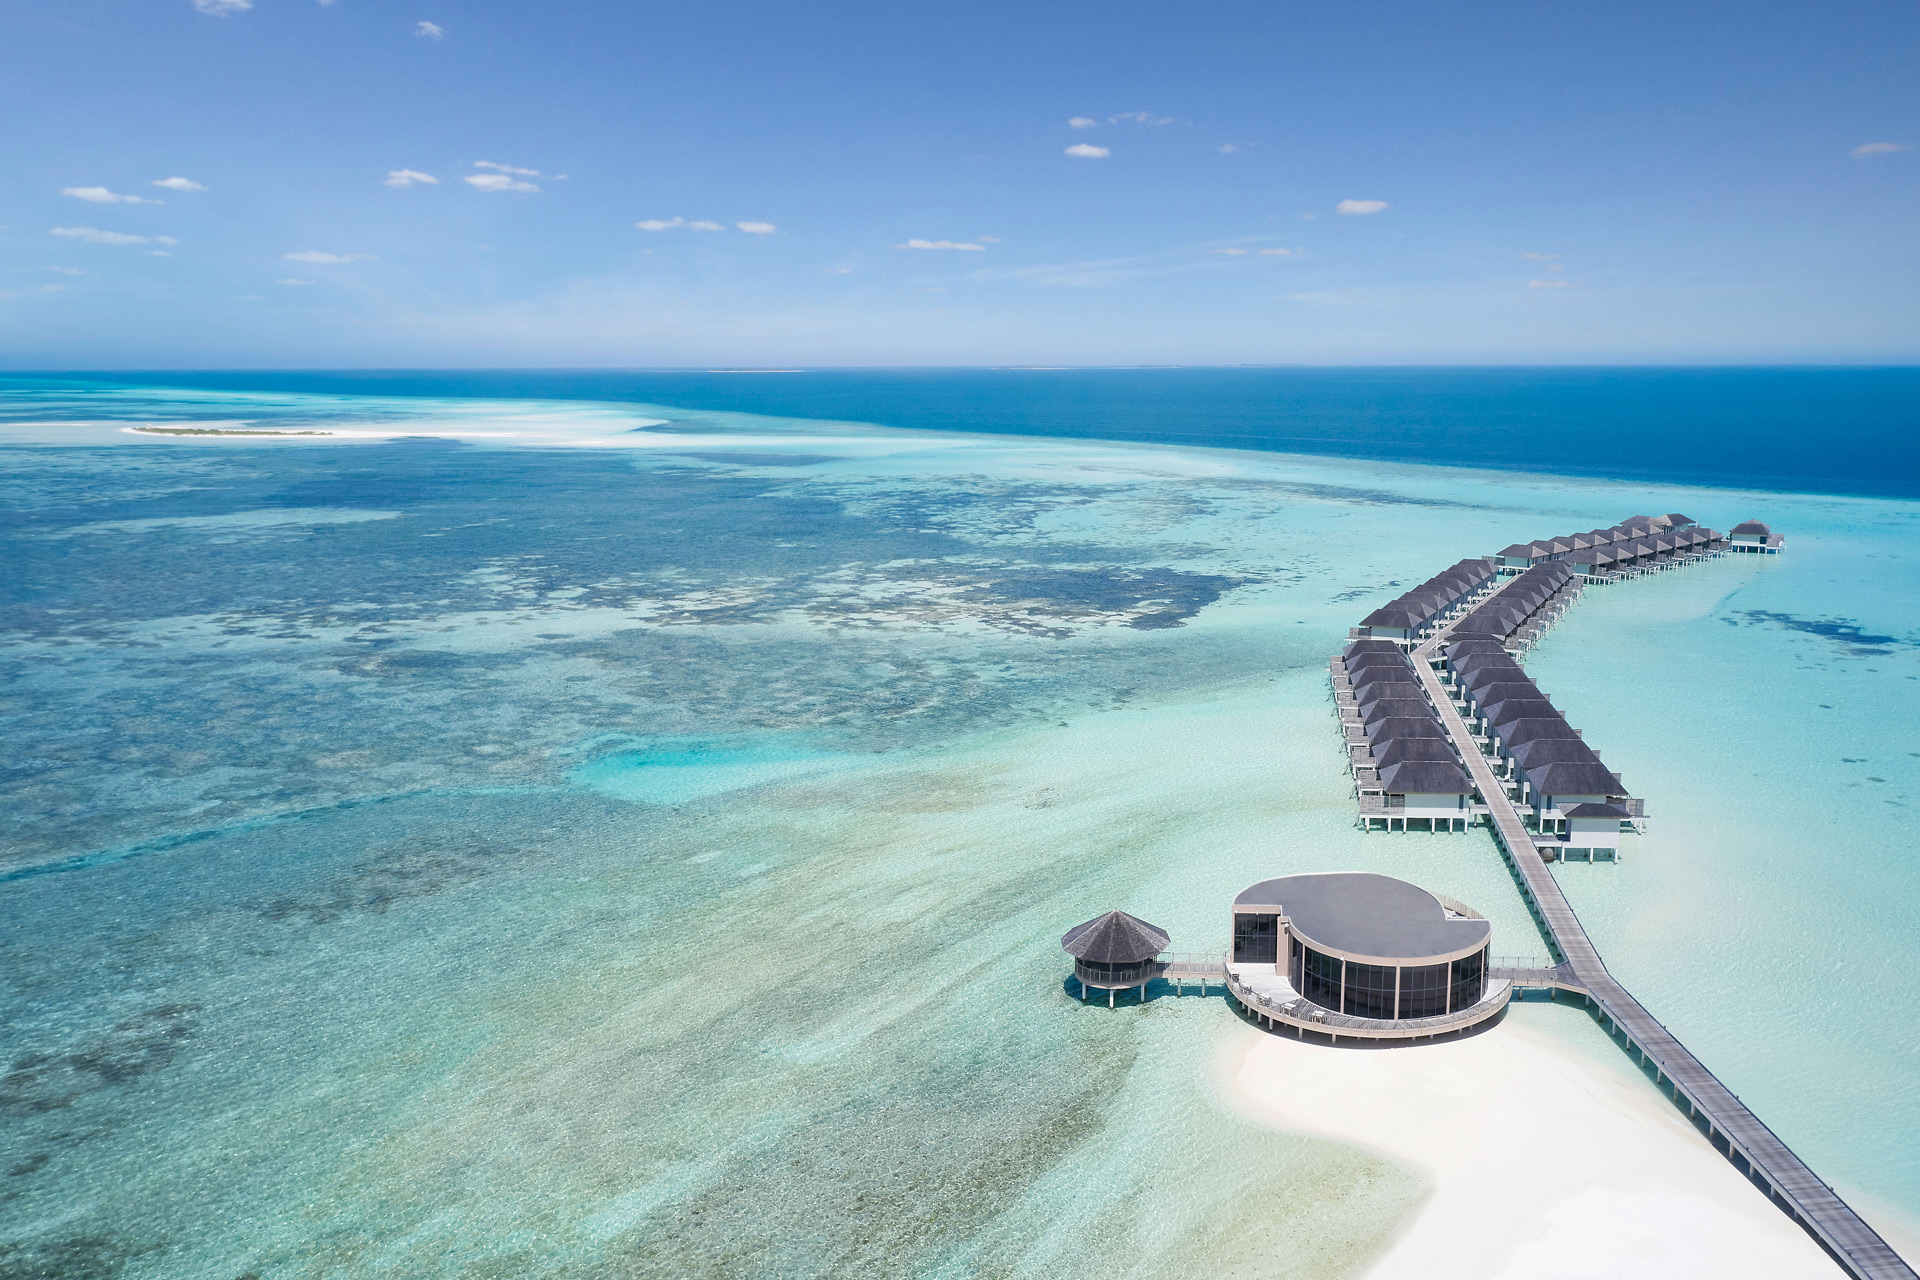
x=1444 y=729
x=1472 y=623
x=1637 y=545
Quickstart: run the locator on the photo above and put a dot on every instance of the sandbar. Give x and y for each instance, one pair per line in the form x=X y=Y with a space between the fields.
x=1542 y=1159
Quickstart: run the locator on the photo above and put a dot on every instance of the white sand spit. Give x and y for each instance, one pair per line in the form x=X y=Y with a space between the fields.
x=1543 y=1160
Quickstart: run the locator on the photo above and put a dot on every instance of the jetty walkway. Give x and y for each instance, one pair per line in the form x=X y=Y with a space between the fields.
x=1734 y=1131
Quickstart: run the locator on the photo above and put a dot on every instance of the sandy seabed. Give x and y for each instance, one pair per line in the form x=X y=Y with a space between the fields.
x=1541 y=1160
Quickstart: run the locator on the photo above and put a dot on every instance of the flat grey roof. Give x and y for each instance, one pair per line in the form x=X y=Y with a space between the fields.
x=1365 y=914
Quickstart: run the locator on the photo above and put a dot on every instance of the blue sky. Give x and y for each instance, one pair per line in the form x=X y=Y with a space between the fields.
x=1101 y=184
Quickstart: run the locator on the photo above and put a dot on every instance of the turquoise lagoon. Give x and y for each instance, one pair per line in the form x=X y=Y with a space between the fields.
x=527 y=838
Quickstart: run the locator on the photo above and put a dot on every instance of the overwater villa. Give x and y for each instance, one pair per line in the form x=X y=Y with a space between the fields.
x=1432 y=604
x=1751 y=536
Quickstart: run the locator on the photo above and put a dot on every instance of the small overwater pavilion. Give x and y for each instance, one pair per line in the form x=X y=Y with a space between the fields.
x=1115 y=951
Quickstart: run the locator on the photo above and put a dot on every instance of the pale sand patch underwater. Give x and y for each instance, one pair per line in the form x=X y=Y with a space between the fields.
x=1541 y=1161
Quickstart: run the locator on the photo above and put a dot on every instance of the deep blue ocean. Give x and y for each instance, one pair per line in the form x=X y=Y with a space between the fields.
x=1809 y=430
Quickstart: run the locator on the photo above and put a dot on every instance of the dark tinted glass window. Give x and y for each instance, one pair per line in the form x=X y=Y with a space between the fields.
x=1423 y=990
x=1320 y=978
x=1293 y=961
x=1370 y=990
x=1256 y=939
x=1469 y=979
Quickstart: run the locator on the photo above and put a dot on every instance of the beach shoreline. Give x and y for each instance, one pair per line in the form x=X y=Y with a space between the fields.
x=1543 y=1157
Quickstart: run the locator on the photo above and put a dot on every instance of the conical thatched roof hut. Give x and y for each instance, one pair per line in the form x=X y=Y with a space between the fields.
x=1115 y=951
x=1115 y=938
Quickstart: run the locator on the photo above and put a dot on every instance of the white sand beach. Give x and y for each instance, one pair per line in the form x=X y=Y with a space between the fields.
x=1543 y=1160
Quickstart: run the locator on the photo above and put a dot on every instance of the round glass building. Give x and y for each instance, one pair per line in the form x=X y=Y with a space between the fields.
x=1358 y=954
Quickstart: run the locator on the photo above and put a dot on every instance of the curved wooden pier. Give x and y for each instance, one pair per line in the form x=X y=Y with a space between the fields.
x=1734 y=1131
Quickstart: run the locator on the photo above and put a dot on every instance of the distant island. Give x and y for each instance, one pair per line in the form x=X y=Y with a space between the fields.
x=219 y=431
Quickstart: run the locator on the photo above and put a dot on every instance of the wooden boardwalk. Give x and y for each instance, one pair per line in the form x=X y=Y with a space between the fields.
x=1734 y=1131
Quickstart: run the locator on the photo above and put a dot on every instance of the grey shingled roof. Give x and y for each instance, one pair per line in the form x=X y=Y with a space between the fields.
x=1529 y=730
x=1541 y=751
x=1500 y=691
x=1403 y=727
x=1395 y=615
x=1385 y=691
x=1567 y=777
x=1115 y=938
x=1390 y=708
x=1465 y=647
x=1484 y=677
x=1588 y=809
x=1507 y=710
x=1394 y=750
x=1427 y=777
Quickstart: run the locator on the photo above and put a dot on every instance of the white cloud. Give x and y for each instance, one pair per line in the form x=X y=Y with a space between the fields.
x=329 y=259
x=53 y=288
x=65 y=271
x=701 y=224
x=1360 y=206
x=93 y=235
x=408 y=177
x=1088 y=151
x=1550 y=284
x=506 y=168
x=498 y=182
x=165 y=240
x=178 y=184
x=1276 y=253
x=221 y=8
x=100 y=195
x=989 y=239
x=1082 y=122
x=432 y=31
x=1226 y=148
x=1140 y=117
x=293 y=280
x=757 y=228
x=1232 y=252
x=1866 y=149
x=1540 y=257
x=917 y=243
